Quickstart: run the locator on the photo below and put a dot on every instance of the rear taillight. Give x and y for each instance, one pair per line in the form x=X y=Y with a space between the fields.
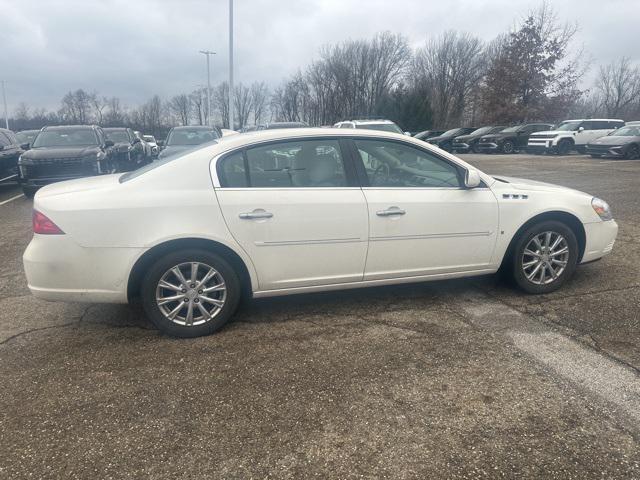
x=43 y=226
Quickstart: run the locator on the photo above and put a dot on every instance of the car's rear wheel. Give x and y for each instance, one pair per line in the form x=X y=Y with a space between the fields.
x=632 y=153
x=190 y=293
x=508 y=147
x=545 y=257
x=564 y=147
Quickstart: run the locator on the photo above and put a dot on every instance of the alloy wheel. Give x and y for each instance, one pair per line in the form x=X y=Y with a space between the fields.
x=545 y=258
x=191 y=294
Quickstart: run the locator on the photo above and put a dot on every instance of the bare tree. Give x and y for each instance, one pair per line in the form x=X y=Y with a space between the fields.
x=76 y=107
x=618 y=88
x=199 y=105
x=99 y=105
x=259 y=97
x=180 y=106
x=221 y=101
x=242 y=104
x=113 y=115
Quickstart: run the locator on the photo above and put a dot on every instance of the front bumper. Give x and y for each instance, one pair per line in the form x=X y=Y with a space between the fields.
x=460 y=147
x=58 y=269
x=600 y=238
x=615 y=152
x=488 y=146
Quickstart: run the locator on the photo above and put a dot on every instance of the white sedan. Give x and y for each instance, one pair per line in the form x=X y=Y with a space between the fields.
x=280 y=212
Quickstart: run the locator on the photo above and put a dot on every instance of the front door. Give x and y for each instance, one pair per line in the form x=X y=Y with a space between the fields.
x=294 y=207
x=422 y=221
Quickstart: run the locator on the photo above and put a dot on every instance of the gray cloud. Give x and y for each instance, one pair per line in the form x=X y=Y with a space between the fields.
x=134 y=49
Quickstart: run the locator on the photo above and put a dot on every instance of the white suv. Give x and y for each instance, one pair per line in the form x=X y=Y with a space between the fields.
x=381 y=125
x=572 y=135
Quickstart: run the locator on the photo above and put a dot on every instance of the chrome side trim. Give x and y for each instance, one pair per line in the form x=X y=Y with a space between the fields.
x=309 y=242
x=431 y=235
x=372 y=283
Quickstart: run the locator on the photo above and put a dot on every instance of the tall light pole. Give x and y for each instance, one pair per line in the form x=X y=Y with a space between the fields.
x=208 y=54
x=231 y=64
x=4 y=100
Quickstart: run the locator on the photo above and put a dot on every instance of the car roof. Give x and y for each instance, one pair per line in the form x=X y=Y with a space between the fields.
x=379 y=121
x=111 y=129
x=594 y=119
x=193 y=127
x=77 y=127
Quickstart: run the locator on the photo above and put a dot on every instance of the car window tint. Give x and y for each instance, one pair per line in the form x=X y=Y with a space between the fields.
x=232 y=171
x=300 y=164
x=394 y=164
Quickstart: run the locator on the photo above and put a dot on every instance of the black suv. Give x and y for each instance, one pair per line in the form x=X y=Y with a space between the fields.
x=64 y=153
x=510 y=139
x=26 y=137
x=445 y=141
x=469 y=143
x=127 y=148
x=9 y=152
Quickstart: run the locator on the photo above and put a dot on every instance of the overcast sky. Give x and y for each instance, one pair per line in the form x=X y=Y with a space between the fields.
x=136 y=48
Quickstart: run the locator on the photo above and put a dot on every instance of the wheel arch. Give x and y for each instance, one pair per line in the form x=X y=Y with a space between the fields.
x=145 y=261
x=567 y=218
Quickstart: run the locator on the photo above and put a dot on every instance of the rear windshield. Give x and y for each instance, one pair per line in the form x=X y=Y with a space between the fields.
x=158 y=163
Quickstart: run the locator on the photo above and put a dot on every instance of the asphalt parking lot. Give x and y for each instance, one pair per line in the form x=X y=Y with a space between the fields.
x=461 y=379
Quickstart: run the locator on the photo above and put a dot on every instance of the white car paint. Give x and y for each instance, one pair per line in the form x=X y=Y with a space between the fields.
x=586 y=131
x=318 y=238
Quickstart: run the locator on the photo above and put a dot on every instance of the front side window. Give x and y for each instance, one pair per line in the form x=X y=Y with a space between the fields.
x=300 y=164
x=394 y=164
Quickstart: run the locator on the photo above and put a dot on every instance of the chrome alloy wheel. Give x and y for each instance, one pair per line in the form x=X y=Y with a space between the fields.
x=191 y=294
x=545 y=258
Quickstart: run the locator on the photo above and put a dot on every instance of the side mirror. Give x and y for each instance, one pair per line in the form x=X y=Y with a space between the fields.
x=135 y=140
x=581 y=129
x=472 y=179
x=25 y=146
x=108 y=143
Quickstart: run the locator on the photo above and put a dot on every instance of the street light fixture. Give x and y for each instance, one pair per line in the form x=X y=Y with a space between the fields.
x=208 y=54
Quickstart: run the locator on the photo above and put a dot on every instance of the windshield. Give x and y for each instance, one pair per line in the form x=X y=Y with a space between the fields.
x=627 y=132
x=26 y=137
x=66 y=138
x=568 y=126
x=482 y=131
x=453 y=131
x=118 y=136
x=383 y=127
x=190 y=137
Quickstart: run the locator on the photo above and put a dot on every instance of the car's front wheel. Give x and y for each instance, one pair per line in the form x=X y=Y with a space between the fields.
x=190 y=293
x=508 y=147
x=545 y=257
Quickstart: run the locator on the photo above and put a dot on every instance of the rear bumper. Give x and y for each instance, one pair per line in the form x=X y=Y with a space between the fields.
x=58 y=269
x=601 y=237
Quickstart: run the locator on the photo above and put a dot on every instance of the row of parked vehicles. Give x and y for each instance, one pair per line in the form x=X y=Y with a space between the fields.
x=39 y=157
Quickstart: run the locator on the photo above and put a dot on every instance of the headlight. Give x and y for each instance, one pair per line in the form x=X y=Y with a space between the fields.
x=602 y=209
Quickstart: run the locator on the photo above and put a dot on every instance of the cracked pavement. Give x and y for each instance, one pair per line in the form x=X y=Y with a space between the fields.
x=457 y=379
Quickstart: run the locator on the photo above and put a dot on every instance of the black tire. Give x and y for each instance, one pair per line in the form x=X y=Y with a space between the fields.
x=29 y=192
x=161 y=266
x=508 y=147
x=518 y=255
x=476 y=148
x=633 y=153
x=564 y=147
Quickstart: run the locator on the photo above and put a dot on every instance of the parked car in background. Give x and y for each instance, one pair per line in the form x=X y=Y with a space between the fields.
x=621 y=143
x=445 y=141
x=146 y=148
x=10 y=151
x=180 y=139
x=344 y=209
x=64 y=153
x=572 y=135
x=26 y=137
x=151 y=141
x=275 y=125
x=379 y=124
x=510 y=140
x=128 y=152
x=469 y=142
x=426 y=134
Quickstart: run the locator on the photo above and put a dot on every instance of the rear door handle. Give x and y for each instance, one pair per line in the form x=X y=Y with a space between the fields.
x=391 y=211
x=256 y=214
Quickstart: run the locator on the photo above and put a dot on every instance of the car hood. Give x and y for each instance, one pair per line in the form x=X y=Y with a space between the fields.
x=498 y=136
x=551 y=132
x=59 y=152
x=533 y=185
x=614 y=140
x=78 y=185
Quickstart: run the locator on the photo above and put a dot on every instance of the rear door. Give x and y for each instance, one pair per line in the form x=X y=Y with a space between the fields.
x=422 y=221
x=295 y=208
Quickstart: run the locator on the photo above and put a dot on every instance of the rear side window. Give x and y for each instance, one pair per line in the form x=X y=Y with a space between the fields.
x=616 y=125
x=297 y=164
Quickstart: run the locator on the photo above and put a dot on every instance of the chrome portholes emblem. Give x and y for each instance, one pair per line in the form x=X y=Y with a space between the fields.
x=191 y=294
x=545 y=258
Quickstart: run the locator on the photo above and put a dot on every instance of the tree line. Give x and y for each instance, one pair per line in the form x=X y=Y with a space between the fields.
x=531 y=73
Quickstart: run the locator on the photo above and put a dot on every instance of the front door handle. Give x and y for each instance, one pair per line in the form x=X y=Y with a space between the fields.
x=391 y=211
x=256 y=214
